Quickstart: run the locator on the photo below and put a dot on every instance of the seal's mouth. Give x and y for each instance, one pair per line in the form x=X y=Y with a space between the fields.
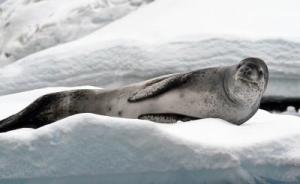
x=248 y=81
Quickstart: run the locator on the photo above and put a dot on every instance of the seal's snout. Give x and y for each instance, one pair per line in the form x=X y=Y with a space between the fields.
x=248 y=72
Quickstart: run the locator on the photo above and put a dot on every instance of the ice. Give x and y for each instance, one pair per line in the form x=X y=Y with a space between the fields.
x=28 y=26
x=89 y=148
x=166 y=36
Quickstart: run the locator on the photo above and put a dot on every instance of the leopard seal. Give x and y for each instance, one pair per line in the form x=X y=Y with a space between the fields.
x=232 y=93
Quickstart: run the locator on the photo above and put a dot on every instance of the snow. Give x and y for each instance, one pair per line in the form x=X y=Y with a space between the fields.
x=292 y=111
x=89 y=148
x=175 y=19
x=119 y=63
x=86 y=42
x=168 y=37
x=28 y=26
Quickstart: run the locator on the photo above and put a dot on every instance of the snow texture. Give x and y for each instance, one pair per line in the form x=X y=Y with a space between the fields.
x=28 y=26
x=88 y=148
x=170 y=36
x=166 y=36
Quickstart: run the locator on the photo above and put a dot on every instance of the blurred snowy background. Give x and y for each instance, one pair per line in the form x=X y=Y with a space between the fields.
x=111 y=43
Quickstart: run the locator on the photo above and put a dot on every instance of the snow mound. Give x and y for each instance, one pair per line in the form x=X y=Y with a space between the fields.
x=118 y=150
x=167 y=20
x=88 y=148
x=28 y=26
x=119 y=63
x=156 y=40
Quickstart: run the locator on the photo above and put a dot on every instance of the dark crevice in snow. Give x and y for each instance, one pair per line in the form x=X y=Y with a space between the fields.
x=279 y=103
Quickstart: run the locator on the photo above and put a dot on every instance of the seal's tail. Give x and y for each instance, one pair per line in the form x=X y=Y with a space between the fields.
x=23 y=119
x=48 y=109
x=9 y=123
x=30 y=117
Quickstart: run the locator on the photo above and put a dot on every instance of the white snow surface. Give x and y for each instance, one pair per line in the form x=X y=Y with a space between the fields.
x=169 y=36
x=166 y=36
x=89 y=148
x=28 y=26
x=167 y=20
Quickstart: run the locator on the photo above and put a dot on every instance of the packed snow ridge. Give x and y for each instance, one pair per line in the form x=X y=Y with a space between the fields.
x=28 y=26
x=89 y=148
x=115 y=64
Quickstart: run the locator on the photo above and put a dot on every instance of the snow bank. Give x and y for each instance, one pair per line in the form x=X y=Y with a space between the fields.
x=170 y=36
x=89 y=148
x=292 y=111
x=28 y=26
x=120 y=63
x=167 y=20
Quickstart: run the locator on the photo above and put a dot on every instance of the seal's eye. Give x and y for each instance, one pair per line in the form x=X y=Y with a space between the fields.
x=260 y=73
x=239 y=66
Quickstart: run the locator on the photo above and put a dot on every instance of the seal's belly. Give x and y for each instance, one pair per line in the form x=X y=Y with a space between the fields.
x=199 y=105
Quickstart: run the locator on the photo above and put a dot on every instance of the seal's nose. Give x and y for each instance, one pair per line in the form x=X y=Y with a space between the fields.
x=247 y=71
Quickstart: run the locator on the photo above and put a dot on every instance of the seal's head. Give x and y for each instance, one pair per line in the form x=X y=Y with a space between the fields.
x=252 y=71
x=248 y=81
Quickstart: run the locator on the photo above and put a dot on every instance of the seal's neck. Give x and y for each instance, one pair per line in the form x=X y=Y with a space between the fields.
x=226 y=85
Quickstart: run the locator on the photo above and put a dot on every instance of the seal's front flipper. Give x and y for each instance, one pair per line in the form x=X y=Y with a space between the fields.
x=158 y=86
x=166 y=117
